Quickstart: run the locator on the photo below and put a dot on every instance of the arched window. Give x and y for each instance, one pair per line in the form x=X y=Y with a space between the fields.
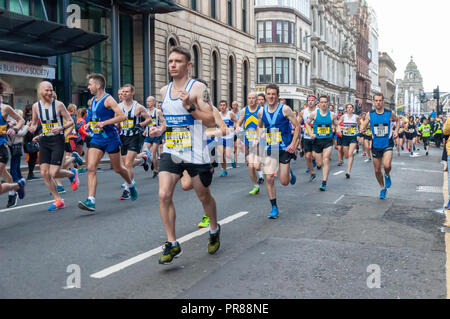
x=215 y=78
x=172 y=43
x=245 y=78
x=195 y=62
x=230 y=80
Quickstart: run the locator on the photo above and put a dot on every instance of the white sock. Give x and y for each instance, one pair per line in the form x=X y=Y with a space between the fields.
x=212 y=232
x=257 y=186
x=92 y=199
x=260 y=174
x=174 y=243
x=12 y=193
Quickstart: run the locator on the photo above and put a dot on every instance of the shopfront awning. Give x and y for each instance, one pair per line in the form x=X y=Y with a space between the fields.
x=29 y=35
x=151 y=6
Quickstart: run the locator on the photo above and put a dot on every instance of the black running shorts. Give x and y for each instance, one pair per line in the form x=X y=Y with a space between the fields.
x=51 y=150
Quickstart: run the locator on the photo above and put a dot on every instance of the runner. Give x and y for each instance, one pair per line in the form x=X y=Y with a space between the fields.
x=401 y=134
x=323 y=121
x=425 y=133
x=280 y=144
x=249 y=118
x=225 y=143
x=211 y=133
x=105 y=114
x=437 y=133
x=367 y=141
x=131 y=131
x=15 y=190
x=349 y=123
x=52 y=114
x=339 y=138
x=308 y=142
x=380 y=121
x=411 y=135
x=152 y=143
x=184 y=107
x=236 y=141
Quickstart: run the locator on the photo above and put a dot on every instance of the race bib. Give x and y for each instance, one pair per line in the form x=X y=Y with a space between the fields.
x=179 y=139
x=411 y=130
x=153 y=122
x=93 y=123
x=127 y=124
x=251 y=135
x=3 y=129
x=273 y=137
x=368 y=132
x=381 y=130
x=349 y=130
x=323 y=130
x=47 y=128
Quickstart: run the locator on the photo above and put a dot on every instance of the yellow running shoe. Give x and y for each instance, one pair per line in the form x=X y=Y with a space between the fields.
x=204 y=223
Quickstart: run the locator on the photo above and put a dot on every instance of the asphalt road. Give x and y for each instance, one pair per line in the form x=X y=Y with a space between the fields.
x=345 y=243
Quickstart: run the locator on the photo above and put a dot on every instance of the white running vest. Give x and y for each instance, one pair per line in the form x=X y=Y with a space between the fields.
x=229 y=123
x=185 y=136
x=349 y=125
x=306 y=116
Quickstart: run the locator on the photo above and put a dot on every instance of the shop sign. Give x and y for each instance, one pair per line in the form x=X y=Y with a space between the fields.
x=35 y=71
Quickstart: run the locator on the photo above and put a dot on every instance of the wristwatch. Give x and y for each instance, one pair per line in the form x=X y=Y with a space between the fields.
x=192 y=108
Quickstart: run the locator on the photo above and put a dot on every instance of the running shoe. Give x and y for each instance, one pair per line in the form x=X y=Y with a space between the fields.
x=308 y=171
x=87 y=205
x=340 y=163
x=387 y=181
x=364 y=154
x=383 y=193
x=224 y=173
x=214 y=241
x=261 y=181
x=123 y=185
x=77 y=159
x=169 y=253
x=60 y=189
x=12 y=200
x=204 y=223
x=254 y=191
x=155 y=174
x=274 y=213
x=133 y=192
x=448 y=205
x=293 y=178
x=59 y=204
x=125 y=195
x=426 y=154
x=75 y=180
x=21 y=191
x=145 y=165
x=234 y=165
x=319 y=168
x=312 y=178
x=314 y=163
x=347 y=175
x=323 y=187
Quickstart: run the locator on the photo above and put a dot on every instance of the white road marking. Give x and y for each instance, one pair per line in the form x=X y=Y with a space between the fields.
x=338 y=173
x=127 y=263
x=421 y=170
x=25 y=206
x=429 y=189
x=339 y=199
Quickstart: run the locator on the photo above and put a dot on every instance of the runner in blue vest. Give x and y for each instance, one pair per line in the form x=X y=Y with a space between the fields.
x=381 y=121
x=105 y=114
x=322 y=133
x=281 y=143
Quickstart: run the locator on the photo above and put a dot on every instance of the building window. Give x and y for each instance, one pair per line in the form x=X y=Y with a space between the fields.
x=230 y=12
x=15 y=6
x=194 y=5
x=261 y=33
x=230 y=80
x=212 y=4
x=172 y=43
x=294 y=72
x=300 y=73
x=196 y=62
x=245 y=81
x=282 y=70
x=126 y=49
x=268 y=31
x=214 y=78
x=244 y=15
x=265 y=70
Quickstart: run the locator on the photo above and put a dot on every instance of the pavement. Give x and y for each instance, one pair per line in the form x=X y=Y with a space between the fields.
x=344 y=243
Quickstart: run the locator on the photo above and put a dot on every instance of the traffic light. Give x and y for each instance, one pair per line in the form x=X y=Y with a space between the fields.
x=436 y=93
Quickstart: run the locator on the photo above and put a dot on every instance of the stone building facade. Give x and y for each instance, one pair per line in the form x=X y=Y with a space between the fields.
x=373 y=47
x=283 y=49
x=387 y=79
x=221 y=37
x=333 y=55
x=410 y=87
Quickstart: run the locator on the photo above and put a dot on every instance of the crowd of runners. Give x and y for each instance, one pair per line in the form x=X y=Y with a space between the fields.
x=185 y=138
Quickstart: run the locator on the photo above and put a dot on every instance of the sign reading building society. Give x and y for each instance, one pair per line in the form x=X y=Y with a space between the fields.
x=35 y=71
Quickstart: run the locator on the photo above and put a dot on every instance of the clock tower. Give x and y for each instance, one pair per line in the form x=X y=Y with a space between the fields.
x=412 y=82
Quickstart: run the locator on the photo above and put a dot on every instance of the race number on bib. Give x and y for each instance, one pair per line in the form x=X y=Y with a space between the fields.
x=48 y=127
x=323 y=130
x=94 y=129
x=3 y=129
x=251 y=135
x=179 y=139
x=381 y=130
x=127 y=124
x=349 y=130
x=273 y=137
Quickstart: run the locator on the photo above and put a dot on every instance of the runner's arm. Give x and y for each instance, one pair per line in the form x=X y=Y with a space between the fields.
x=203 y=111
x=141 y=111
x=65 y=115
x=119 y=116
x=290 y=115
x=308 y=129
x=20 y=121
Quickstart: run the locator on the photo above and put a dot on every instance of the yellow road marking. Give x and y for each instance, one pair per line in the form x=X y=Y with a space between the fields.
x=447 y=235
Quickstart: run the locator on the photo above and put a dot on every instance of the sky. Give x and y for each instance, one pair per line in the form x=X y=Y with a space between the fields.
x=420 y=29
